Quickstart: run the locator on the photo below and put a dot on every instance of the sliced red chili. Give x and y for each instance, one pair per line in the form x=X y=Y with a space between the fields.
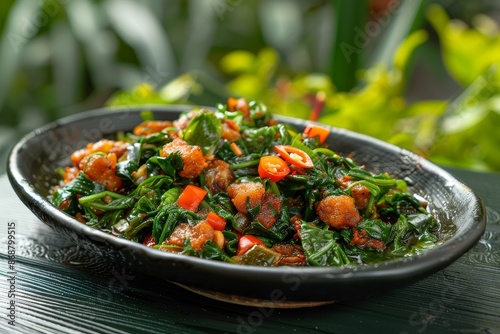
x=273 y=168
x=294 y=156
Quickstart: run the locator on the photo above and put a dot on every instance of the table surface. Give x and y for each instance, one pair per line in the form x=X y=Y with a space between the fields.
x=59 y=288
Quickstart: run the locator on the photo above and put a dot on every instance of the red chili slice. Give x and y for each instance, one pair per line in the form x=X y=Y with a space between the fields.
x=273 y=167
x=294 y=156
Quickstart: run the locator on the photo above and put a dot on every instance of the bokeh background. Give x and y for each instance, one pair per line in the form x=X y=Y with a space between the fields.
x=420 y=74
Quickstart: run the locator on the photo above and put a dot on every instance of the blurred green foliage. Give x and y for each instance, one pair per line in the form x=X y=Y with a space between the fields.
x=59 y=57
x=461 y=132
x=467 y=130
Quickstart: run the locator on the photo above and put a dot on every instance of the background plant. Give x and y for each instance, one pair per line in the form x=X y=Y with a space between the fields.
x=433 y=95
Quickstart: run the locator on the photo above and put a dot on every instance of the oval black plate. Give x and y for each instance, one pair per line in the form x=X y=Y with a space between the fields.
x=34 y=160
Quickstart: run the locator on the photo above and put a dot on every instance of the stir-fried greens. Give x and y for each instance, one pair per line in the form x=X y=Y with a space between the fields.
x=235 y=185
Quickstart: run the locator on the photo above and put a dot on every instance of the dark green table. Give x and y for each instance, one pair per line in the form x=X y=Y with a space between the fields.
x=60 y=288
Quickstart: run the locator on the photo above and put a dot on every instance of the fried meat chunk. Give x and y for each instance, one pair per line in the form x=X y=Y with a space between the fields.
x=198 y=234
x=218 y=176
x=246 y=192
x=192 y=156
x=338 y=211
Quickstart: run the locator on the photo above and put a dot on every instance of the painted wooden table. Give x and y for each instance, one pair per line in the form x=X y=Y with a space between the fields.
x=48 y=285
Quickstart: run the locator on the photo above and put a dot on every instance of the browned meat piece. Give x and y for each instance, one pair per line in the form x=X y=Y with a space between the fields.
x=70 y=173
x=198 y=234
x=229 y=132
x=270 y=207
x=150 y=127
x=296 y=170
x=344 y=181
x=241 y=193
x=361 y=195
x=338 y=211
x=362 y=240
x=104 y=146
x=194 y=161
x=255 y=194
x=218 y=176
x=291 y=255
x=102 y=169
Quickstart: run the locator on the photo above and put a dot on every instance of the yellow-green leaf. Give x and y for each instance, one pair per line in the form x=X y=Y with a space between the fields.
x=238 y=62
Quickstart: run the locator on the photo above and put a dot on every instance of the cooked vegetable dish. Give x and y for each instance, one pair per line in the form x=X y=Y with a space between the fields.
x=233 y=184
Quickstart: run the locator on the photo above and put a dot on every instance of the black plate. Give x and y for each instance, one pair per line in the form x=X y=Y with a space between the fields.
x=33 y=161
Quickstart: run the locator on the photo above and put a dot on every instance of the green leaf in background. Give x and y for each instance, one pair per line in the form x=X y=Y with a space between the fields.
x=416 y=131
x=292 y=97
x=467 y=52
x=468 y=133
x=13 y=42
x=407 y=47
x=473 y=105
x=139 y=95
x=403 y=20
x=340 y=58
x=237 y=62
x=348 y=42
x=179 y=89
x=136 y=23
x=375 y=108
x=253 y=72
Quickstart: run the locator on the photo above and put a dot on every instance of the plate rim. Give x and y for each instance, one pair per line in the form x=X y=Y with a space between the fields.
x=401 y=268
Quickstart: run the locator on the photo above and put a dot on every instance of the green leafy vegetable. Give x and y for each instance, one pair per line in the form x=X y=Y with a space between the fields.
x=169 y=165
x=81 y=185
x=321 y=247
x=204 y=130
x=376 y=229
x=240 y=217
x=212 y=252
